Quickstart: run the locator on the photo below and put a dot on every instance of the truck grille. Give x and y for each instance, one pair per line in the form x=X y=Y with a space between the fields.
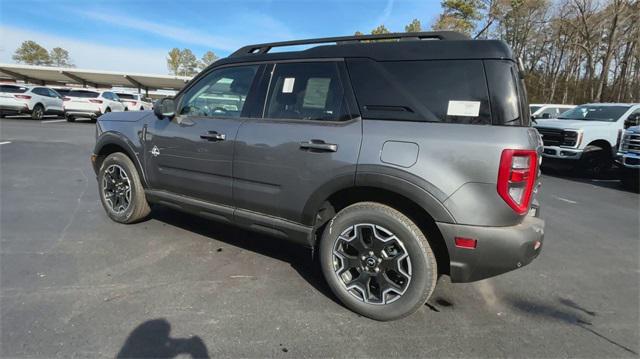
x=631 y=142
x=551 y=136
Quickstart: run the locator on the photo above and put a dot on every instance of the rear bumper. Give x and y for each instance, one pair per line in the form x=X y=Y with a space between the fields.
x=81 y=113
x=14 y=109
x=498 y=250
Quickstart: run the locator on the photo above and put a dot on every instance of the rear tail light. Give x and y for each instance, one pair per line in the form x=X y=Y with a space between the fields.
x=23 y=97
x=95 y=101
x=516 y=178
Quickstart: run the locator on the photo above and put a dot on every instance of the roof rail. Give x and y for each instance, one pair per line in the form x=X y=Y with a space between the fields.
x=264 y=48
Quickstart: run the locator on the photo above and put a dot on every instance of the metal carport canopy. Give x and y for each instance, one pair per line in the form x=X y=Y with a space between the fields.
x=45 y=75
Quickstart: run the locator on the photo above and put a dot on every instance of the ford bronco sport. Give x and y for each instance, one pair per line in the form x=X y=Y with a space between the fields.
x=395 y=161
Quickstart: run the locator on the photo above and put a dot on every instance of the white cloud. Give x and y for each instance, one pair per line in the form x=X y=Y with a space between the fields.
x=263 y=29
x=84 y=54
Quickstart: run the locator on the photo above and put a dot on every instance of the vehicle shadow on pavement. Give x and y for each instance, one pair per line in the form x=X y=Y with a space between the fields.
x=560 y=313
x=151 y=340
x=300 y=258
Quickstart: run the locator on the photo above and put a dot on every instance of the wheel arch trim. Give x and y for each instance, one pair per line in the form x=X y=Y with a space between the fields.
x=120 y=140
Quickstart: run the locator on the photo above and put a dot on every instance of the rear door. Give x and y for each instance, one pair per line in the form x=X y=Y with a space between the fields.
x=192 y=153
x=307 y=141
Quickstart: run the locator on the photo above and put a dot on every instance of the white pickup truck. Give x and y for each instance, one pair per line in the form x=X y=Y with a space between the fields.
x=628 y=158
x=587 y=135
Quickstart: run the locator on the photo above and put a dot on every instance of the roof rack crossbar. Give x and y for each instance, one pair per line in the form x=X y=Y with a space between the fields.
x=266 y=47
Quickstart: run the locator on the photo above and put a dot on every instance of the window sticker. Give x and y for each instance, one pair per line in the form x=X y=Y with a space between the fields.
x=287 y=87
x=464 y=108
x=316 y=93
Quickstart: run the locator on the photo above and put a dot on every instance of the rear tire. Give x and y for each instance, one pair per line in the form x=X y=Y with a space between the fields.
x=392 y=276
x=120 y=189
x=69 y=118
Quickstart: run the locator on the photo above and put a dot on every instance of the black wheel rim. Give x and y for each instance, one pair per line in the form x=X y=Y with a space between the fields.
x=116 y=188
x=372 y=263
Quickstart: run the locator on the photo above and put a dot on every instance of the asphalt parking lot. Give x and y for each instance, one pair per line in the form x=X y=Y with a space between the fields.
x=75 y=284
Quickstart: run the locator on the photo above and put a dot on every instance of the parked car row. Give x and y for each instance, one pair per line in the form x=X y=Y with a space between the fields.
x=590 y=136
x=39 y=101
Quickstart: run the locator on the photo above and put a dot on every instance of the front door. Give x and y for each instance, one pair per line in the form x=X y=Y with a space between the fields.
x=307 y=141
x=192 y=153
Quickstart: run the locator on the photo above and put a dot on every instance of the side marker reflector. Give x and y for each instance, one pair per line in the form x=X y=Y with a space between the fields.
x=467 y=243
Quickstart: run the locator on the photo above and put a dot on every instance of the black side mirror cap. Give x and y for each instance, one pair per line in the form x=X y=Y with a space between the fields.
x=632 y=120
x=164 y=108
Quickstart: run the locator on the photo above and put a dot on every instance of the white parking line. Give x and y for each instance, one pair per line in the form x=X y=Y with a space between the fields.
x=565 y=200
x=5 y=142
x=52 y=121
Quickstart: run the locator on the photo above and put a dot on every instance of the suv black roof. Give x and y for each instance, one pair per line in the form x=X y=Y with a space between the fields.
x=443 y=45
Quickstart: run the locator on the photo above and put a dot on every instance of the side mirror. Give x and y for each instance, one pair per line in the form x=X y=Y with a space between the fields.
x=632 y=120
x=546 y=115
x=165 y=107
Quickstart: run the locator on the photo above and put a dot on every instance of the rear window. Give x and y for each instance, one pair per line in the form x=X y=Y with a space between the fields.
x=82 y=93
x=12 y=89
x=126 y=96
x=452 y=91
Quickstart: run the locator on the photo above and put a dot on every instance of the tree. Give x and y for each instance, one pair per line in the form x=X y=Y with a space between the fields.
x=380 y=30
x=459 y=15
x=207 y=59
x=31 y=53
x=414 y=26
x=188 y=63
x=60 y=57
x=358 y=33
x=173 y=61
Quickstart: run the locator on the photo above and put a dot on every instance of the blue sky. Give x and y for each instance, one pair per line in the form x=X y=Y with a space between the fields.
x=136 y=35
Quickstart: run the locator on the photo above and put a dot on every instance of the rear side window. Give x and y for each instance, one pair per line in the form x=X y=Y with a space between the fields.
x=306 y=91
x=508 y=95
x=126 y=96
x=12 y=89
x=453 y=91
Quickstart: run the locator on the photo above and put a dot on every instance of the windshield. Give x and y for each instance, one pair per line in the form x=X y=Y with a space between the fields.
x=126 y=96
x=82 y=93
x=12 y=89
x=534 y=108
x=594 y=113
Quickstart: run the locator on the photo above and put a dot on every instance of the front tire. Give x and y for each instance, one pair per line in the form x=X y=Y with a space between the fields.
x=120 y=189
x=377 y=261
x=596 y=162
x=38 y=112
x=69 y=118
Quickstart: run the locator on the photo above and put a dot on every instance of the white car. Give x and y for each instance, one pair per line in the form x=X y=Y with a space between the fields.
x=135 y=101
x=91 y=103
x=539 y=110
x=587 y=135
x=34 y=100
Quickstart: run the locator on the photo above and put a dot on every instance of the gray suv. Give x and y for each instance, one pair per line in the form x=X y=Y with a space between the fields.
x=397 y=158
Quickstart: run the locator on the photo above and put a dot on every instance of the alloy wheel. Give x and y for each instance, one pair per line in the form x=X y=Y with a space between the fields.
x=372 y=263
x=116 y=188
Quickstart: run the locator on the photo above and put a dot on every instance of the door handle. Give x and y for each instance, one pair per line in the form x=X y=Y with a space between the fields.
x=213 y=136
x=319 y=145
